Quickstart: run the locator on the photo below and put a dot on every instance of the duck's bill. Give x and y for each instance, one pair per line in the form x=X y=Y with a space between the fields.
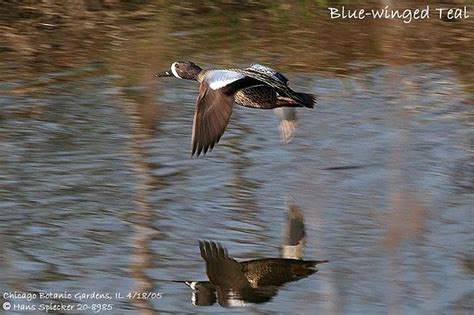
x=164 y=74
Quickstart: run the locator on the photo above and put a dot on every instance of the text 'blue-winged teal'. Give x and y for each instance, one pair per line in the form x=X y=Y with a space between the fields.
x=256 y=87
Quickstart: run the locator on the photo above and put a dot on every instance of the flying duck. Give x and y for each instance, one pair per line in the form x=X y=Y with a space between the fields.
x=257 y=86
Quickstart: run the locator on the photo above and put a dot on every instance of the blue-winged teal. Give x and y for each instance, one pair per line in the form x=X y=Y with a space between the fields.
x=256 y=87
x=253 y=281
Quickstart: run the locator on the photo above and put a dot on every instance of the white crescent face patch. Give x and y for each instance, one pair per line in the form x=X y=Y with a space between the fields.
x=173 y=70
x=217 y=79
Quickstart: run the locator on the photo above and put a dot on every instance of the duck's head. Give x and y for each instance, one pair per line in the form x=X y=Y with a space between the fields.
x=182 y=70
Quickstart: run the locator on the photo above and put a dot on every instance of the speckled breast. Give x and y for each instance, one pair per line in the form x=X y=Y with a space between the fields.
x=263 y=97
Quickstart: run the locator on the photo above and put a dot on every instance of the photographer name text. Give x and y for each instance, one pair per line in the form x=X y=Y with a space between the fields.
x=93 y=302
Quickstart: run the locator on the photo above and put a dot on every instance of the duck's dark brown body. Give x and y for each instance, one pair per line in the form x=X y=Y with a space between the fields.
x=262 y=97
x=276 y=271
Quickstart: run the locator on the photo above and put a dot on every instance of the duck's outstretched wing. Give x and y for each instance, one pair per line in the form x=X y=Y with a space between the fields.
x=270 y=77
x=232 y=80
x=213 y=111
x=214 y=107
x=279 y=82
x=269 y=71
x=223 y=271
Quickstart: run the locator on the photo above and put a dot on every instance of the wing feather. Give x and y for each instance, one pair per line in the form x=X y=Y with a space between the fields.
x=269 y=71
x=217 y=79
x=213 y=112
x=222 y=270
x=271 y=78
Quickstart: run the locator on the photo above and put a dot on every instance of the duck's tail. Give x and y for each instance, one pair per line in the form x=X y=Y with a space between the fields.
x=307 y=100
x=297 y=100
x=304 y=268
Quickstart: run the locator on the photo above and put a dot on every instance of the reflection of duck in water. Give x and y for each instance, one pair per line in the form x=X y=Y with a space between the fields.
x=253 y=281
x=295 y=235
x=204 y=292
x=256 y=87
